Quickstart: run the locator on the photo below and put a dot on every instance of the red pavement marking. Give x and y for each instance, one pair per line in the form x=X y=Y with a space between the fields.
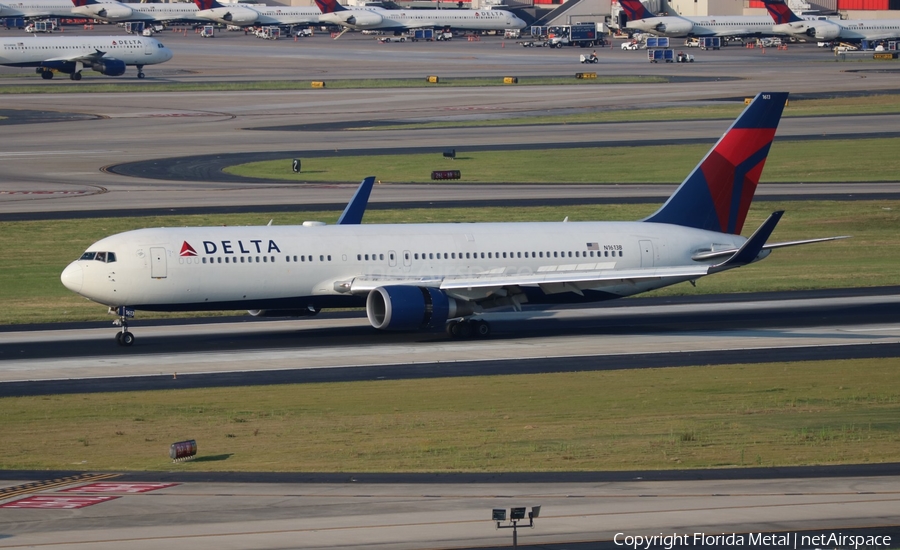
x=118 y=487
x=56 y=502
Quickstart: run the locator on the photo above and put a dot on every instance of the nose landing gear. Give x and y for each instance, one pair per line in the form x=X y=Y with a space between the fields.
x=123 y=337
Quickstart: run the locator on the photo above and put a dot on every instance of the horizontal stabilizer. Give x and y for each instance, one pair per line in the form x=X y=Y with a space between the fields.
x=752 y=247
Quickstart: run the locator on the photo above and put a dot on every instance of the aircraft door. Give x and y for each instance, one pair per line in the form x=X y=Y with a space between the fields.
x=148 y=47
x=158 y=262
x=647 y=253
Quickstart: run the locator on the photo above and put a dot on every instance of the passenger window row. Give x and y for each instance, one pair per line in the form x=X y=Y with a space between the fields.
x=532 y=254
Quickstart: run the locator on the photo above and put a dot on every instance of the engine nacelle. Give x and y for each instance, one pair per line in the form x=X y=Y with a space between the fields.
x=673 y=26
x=109 y=67
x=362 y=19
x=412 y=308
x=112 y=12
x=236 y=14
x=826 y=32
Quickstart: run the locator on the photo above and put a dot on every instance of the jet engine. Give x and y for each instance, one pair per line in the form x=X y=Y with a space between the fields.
x=113 y=12
x=827 y=32
x=412 y=308
x=674 y=27
x=362 y=19
x=109 y=67
x=236 y=14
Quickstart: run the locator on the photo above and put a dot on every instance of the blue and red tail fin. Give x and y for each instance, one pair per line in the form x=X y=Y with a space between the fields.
x=207 y=4
x=635 y=9
x=716 y=196
x=780 y=12
x=329 y=6
x=79 y=3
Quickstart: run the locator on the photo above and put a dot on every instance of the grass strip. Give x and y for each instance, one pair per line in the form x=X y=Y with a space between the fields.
x=779 y=414
x=789 y=161
x=87 y=86
x=35 y=253
x=876 y=104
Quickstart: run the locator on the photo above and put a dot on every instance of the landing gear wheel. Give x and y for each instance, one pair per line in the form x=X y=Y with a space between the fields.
x=46 y=75
x=141 y=74
x=124 y=338
x=75 y=76
x=464 y=329
x=140 y=69
x=481 y=329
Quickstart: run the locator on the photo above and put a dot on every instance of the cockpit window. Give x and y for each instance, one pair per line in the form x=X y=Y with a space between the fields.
x=105 y=257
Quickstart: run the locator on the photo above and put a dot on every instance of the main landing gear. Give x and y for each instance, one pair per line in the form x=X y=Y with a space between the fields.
x=140 y=69
x=468 y=328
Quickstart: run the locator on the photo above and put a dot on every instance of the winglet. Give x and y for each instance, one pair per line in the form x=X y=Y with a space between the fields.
x=754 y=245
x=353 y=213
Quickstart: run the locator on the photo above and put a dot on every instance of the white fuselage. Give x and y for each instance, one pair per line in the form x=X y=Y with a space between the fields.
x=331 y=266
x=381 y=19
x=679 y=27
x=848 y=30
x=116 y=12
x=36 y=8
x=31 y=51
x=241 y=15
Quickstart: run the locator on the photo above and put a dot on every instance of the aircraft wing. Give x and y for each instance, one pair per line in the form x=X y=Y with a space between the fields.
x=480 y=286
x=83 y=57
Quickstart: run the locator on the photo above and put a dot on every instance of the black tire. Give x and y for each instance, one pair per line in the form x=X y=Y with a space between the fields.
x=465 y=329
x=119 y=338
x=481 y=329
x=47 y=75
x=75 y=76
x=127 y=339
x=141 y=75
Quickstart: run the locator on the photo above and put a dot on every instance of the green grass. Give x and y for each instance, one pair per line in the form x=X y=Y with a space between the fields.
x=88 y=85
x=789 y=161
x=782 y=414
x=35 y=253
x=876 y=104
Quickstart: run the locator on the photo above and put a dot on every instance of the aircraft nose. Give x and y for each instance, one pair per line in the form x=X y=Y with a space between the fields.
x=168 y=53
x=73 y=277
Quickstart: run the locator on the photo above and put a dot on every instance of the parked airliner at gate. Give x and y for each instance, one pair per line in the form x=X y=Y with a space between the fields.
x=428 y=276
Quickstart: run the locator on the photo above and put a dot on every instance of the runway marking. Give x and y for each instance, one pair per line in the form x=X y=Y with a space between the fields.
x=35 y=486
x=54 y=502
x=118 y=487
x=46 y=192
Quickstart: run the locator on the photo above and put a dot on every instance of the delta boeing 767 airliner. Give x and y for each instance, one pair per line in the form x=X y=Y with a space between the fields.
x=427 y=276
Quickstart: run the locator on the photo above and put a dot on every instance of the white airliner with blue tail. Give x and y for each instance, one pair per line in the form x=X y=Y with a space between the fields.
x=430 y=276
x=108 y=55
